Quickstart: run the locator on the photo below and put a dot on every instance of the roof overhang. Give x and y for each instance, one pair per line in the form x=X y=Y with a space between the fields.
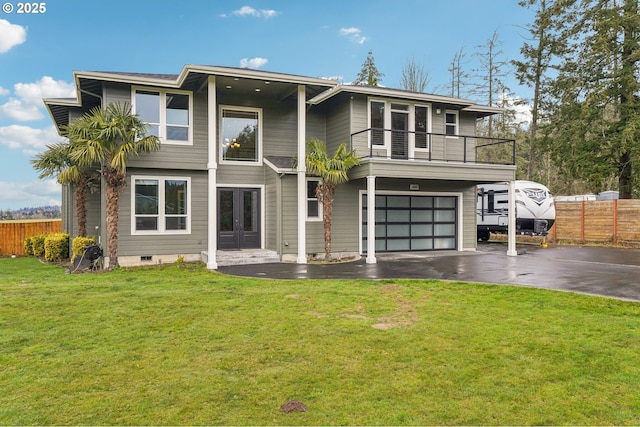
x=377 y=91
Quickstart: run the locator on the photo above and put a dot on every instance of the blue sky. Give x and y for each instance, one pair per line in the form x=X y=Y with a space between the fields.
x=39 y=52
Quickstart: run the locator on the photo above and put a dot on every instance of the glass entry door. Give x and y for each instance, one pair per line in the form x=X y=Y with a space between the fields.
x=399 y=134
x=238 y=218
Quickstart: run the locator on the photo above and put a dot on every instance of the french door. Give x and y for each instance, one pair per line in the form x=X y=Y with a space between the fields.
x=238 y=218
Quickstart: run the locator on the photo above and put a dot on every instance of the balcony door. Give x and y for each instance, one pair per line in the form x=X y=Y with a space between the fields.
x=399 y=131
x=238 y=218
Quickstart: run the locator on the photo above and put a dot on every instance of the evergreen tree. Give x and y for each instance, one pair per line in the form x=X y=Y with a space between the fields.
x=595 y=117
x=369 y=74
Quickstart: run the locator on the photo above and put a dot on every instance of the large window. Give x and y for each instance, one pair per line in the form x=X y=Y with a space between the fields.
x=240 y=135
x=167 y=114
x=160 y=205
x=402 y=127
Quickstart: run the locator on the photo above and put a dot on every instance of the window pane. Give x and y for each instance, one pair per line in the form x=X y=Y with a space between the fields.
x=398 y=201
x=312 y=209
x=177 y=109
x=445 y=202
x=146 y=223
x=421 y=127
x=175 y=195
x=421 y=216
x=445 y=216
x=421 y=244
x=177 y=133
x=421 y=202
x=377 y=123
x=148 y=106
x=401 y=107
x=445 y=243
x=240 y=135
x=444 y=229
x=451 y=118
x=398 y=216
x=398 y=230
x=176 y=223
x=312 y=185
x=451 y=124
x=146 y=197
x=398 y=245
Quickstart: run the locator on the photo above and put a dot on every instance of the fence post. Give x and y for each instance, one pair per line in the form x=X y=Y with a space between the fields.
x=615 y=220
x=582 y=221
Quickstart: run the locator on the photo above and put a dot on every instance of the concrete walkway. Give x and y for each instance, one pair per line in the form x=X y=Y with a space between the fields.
x=609 y=272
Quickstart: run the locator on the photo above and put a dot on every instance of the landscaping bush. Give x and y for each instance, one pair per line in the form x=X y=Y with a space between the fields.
x=37 y=243
x=56 y=247
x=79 y=243
x=28 y=246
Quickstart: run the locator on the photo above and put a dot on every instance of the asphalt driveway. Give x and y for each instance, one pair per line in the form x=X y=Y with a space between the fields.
x=610 y=272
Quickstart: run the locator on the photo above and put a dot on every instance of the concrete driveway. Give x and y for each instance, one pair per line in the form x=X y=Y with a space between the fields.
x=609 y=272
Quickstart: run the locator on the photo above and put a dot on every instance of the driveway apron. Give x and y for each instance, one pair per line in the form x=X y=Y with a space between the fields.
x=609 y=272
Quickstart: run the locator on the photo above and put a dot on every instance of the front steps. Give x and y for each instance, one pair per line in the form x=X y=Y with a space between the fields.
x=244 y=256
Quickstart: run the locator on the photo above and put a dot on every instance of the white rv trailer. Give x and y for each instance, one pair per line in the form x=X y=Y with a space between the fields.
x=535 y=210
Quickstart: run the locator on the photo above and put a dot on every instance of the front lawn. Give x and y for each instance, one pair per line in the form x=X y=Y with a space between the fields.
x=177 y=344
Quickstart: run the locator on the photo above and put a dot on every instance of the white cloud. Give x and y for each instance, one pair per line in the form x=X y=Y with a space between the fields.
x=4 y=91
x=16 y=195
x=27 y=139
x=254 y=63
x=354 y=34
x=11 y=35
x=250 y=11
x=27 y=105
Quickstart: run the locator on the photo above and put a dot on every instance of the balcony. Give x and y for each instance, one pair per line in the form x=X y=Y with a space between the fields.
x=375 y=143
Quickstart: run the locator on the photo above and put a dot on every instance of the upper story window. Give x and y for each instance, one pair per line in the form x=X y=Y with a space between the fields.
x=161 y=205
x=411 y=119
x=168 y=114
x=422 y=127
x=451 y=123
x=241 y=134
x=377 y=119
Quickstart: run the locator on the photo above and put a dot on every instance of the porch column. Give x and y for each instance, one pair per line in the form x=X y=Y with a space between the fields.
x=371 y=220
x=212 y=171
x=511 y=248
x=302 y=177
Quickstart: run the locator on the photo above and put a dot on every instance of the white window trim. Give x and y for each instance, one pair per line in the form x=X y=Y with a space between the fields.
x=221 y=110
x=412 y=117
x=387 y=119
x=163 y=112
x=306 y=205
x=457 y=132
x=412 y=124
x=161 y=203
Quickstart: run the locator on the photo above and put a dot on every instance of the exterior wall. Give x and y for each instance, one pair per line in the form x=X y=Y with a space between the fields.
x=164 y=247
x=272 y=210
x=172 y=156
x=338 y=123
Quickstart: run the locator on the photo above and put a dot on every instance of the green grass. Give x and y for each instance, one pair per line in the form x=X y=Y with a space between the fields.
x=178 y=345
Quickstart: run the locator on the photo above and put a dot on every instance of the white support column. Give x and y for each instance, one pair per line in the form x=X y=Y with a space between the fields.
x=371 y=220
x=511 y=248
x=212 y=170
x=302 y=176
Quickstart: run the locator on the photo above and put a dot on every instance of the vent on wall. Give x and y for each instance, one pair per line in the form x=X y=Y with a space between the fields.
x=146 y=258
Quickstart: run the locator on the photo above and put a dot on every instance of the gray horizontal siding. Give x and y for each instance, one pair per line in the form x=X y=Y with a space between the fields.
x=163 y=244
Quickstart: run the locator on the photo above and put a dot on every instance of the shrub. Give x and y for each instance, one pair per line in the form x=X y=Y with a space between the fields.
x=56 y=247
x=38 y=245
x=79 y=243
x=28 y=246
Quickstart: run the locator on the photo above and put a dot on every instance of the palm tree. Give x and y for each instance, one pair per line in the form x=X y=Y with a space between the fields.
x=57 y=161
x=333 y=172
x=109 y=137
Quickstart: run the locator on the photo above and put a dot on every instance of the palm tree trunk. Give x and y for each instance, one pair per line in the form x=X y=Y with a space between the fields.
x=81 y=205
x=112 y=224
x=327 y=211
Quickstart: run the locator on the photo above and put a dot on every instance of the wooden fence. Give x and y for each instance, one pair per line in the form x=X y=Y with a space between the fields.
x=616 y=221
x=13 y=233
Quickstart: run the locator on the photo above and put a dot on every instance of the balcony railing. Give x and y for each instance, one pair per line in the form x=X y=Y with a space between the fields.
x=409 y=145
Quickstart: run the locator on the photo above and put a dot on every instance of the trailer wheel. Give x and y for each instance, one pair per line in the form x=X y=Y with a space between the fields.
x=483 y=235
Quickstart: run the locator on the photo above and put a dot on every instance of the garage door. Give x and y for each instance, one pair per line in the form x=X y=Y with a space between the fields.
x=412 y=223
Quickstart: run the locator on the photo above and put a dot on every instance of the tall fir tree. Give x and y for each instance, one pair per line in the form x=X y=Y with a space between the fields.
x=369 y=74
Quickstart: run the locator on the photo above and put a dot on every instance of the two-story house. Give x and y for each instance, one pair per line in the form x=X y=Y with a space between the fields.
x=227 y=177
